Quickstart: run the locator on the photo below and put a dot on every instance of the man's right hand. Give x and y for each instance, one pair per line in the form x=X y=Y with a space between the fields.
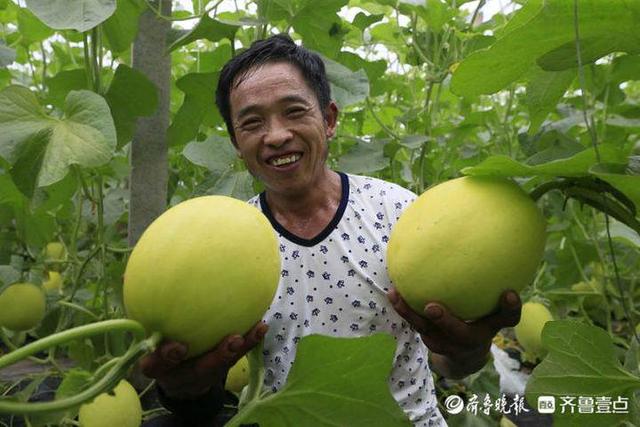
x=182 y=378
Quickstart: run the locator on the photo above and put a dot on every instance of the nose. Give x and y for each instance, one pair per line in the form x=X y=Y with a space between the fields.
x=277 y=133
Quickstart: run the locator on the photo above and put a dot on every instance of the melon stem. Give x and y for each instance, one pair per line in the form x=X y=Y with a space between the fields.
x=114 y=370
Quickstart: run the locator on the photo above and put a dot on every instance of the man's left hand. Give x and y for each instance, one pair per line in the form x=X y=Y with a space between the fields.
x=464 y=343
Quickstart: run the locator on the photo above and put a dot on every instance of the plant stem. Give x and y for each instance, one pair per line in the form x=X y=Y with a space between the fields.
x=78 y=308
x=110 y=380
x=72 y=334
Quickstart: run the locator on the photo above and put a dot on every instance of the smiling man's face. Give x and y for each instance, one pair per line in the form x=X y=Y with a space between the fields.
x=280 y=130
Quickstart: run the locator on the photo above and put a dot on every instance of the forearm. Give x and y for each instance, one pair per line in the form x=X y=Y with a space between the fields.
x=458 y=367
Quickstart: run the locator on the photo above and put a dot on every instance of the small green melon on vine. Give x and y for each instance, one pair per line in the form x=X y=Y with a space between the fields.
x=529 y=330
x=22 y=306
x=119 y=408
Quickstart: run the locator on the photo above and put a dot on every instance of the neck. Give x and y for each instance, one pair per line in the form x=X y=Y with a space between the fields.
x=325 y=195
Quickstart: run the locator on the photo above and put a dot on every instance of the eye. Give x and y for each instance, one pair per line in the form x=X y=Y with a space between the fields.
x=295 y=112
x=251 y=124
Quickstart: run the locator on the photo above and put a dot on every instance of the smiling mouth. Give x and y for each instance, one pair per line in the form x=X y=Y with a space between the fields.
x=284 y=160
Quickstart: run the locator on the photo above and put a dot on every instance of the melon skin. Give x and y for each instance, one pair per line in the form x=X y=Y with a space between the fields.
x=238 y=376
x=463 y=243
x=529 y=330
x=206 y=268
x=22 y=306
x=121 y=408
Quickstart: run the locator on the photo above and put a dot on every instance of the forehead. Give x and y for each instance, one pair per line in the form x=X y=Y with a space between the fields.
x=269 y=83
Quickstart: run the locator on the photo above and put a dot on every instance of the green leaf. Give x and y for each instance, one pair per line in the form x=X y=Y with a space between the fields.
x=375 y=70
x=544 y=90
x=31 y=28
x=364 y=157
x=546 y=35
x=362 y=20
x=581 y=361
x=333 y=382
x=209 y=29
x=232 y=183
x=74 y=382
x=199 y=90
x=576 y=165
x=64 y=82
x=347 y=87
x=215 y=154
x=21 y=117
x=47 y=146
x=320 y=27
x=121 y=28
x=130 y=95
x=79 y=15
x=628 y=184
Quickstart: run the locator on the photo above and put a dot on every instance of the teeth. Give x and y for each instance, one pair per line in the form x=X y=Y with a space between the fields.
x=285 y=160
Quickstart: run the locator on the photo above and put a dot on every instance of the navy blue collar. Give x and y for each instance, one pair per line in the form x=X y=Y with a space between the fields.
x=344 y=180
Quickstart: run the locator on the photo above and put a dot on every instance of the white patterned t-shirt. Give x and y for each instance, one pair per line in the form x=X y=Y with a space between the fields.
x=336 y=284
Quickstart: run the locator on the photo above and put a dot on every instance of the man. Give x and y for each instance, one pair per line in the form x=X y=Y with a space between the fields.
x=333 y=230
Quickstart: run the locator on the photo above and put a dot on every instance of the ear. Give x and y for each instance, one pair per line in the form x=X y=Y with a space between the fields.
x=331 y=114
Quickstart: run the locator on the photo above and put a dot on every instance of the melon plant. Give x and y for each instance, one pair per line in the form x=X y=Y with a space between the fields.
x=529 y=330
x=119 y=408
x=204 y=269
x=238 y=376
x=22 y=307
x=463 y=242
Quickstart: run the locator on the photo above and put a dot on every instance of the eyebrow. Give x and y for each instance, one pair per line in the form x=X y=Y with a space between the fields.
x=286 y=99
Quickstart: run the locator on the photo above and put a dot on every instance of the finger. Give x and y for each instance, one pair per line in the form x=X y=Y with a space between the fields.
x=449 y=325
x=254 y=336
x=166 y=357
x=402 y=308
x=222 y=357
x=508 y=313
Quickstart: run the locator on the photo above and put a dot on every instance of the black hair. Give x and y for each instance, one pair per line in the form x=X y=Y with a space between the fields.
x=277 y=48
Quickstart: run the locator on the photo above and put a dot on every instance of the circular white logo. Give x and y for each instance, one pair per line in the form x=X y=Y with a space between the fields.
x=454 y=404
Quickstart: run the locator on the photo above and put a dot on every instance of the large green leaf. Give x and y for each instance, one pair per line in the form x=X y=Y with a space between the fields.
x=581 y=361
x=544 y=90
x=576 y=165
x=130 y=95
x=230 y=182
x=215 y=154
x=46 y=146
x=80 y=15
x=199 y=90
x=333 y=382
x=121 y=28
x=320 y=27
x=31 y=28
x=544 y=32
x=364 y=157
x=209 y=29
x=347 y=87
x=64 y=82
